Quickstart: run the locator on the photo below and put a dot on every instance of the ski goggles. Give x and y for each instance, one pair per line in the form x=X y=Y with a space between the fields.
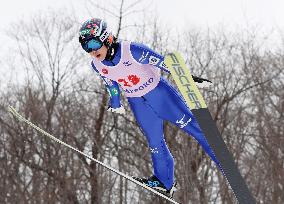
x=91 y=45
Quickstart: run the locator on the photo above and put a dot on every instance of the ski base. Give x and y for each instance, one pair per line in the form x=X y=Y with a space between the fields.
x=196 y=103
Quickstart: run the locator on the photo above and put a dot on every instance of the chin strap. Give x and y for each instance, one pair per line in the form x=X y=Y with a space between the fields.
x=110 y=53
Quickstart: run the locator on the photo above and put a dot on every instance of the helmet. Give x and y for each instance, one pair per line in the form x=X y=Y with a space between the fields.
x=94 y=34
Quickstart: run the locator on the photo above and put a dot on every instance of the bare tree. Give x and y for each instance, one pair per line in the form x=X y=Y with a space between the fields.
x=45 y=48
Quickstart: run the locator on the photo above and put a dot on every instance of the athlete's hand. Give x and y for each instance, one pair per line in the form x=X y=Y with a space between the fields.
x=201 y=82
x=119 y=110
x=204 y=84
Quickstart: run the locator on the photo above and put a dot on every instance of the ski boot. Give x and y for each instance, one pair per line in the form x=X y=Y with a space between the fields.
x=154 y=182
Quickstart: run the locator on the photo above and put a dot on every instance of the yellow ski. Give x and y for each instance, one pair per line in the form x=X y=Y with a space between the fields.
x=196 y=103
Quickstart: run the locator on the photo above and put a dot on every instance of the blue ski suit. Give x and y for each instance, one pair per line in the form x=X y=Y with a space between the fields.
x=152 y=109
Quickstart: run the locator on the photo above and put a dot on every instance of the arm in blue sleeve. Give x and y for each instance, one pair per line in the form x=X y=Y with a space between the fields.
x=112 y=88
x=144 y=55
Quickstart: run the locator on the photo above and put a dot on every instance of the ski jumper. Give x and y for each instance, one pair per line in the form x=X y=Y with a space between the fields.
x=136 y=68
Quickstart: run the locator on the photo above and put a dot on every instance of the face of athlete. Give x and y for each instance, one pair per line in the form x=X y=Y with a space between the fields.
x=100 y=54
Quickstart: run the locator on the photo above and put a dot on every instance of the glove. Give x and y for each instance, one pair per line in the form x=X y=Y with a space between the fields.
x=202 y=83
x=119 y=110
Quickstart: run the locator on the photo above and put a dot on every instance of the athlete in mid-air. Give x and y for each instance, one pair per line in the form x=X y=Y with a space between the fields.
x=137 y=70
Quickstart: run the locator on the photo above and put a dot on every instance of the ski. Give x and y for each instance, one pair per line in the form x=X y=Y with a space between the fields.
x=196 y=103
x=23 y=119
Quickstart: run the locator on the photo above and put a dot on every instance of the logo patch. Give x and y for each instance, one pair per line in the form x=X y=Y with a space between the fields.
x=153 y=60
x=130 y=81
x=154 y=150
x=114 y=92
x=127 y=63
x=105 y=71
x=182 y=123
x=143 y=57
x=163 y=65
x=140 y=88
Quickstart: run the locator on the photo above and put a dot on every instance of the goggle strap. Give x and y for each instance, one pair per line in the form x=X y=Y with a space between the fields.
x=100 y=29
x=104 y=36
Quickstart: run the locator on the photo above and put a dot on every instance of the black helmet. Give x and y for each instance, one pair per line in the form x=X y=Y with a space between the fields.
x=95 y=30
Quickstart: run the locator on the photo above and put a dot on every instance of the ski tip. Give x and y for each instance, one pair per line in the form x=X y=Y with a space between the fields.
x=13 y=112
x=11 y=109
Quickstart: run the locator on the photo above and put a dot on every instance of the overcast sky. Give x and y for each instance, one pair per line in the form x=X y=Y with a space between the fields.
x=232 y=14
x=203 y=13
